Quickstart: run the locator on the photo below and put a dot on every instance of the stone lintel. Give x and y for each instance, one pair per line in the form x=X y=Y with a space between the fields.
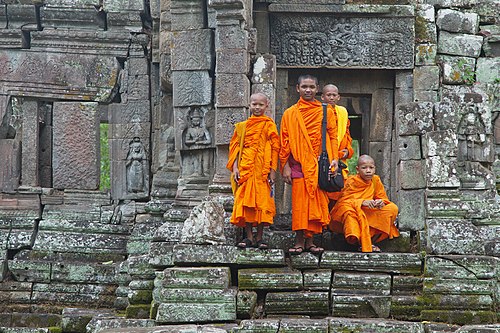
x=388 y=10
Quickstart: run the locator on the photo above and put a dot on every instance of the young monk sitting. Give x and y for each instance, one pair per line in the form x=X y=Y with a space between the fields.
x=253 y=159
x=363 y=213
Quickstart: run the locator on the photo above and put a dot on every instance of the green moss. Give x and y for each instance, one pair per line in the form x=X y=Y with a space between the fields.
x=55 y=329
x=421 y=33
x=460 y=317
x=138 y=311
x=105 y=181
x=154 y=310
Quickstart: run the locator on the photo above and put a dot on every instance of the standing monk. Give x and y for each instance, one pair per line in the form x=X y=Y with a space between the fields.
x=363 y=213
x=253 y=159
x=330 y=95
x=300 y=148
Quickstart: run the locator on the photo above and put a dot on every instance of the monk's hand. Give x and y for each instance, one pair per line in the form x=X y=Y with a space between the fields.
x=287 y=173
x=369 y=203
x=272 y=177
x=345 y=152
x=379 y=203
x=334 y=166
x=236 y=173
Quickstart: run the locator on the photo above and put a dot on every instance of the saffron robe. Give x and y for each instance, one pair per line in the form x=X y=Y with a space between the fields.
x=252 y=199
x=344 y=141
x=301 y=143
x=358 y=223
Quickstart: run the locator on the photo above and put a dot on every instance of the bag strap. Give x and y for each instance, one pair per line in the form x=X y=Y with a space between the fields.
x=242 y=140
x=323 y=128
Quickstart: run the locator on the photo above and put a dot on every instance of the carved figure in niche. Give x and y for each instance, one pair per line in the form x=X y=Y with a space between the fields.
x=135 y=166
x=166 y=150
x=471 y=136
x=197 y=138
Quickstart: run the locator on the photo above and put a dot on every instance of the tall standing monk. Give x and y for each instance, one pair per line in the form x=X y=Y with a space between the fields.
x=363 y=213
x=330 y=94
x=300 y=148
x=253 y=160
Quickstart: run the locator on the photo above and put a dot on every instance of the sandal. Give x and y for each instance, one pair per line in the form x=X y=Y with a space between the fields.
x=314 y=249
x=245 y=243
x=375 y=249
x=261 y=245
x=296 y=250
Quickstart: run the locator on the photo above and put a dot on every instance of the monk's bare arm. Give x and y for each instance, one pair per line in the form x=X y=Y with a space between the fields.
x=287 y=173
x=236 y=171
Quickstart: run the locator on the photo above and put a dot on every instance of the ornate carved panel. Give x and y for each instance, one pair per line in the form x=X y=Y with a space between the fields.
x=300 y=40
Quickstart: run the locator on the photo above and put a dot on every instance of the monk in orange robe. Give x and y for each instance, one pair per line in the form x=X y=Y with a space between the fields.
x=253 y=160
x=330 y=94
x=363 y=213
x=300 y=148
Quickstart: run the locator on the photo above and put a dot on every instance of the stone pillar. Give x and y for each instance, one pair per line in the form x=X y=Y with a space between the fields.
x=232 y=46
x=30 y=142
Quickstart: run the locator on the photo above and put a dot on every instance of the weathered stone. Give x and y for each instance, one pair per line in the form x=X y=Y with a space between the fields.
x=412 y=174
x=264 y=69
x=30 y=142
x=487 y=70
x=462 y=267
x=425 y=54
x=457 y=21
x=10 y=174
x=303 y=325
x=225 y=117
x=98 y=324
x=454 y=237
x=460 y=287
x=74 y=320
x=232 y=61
x=457 y=70
x=442 y=172
x=200 y=305
x=205 y=224
x=231 y=36
x=269 y=278
x=236 y=92
x=73 y=294
x=75 y=156
x=297 y=303
x=407 y=285
x=412 y=210
x=140 y=297
x=305 y=261
x=460 y=44
x=426 y=78
x=12 y=292
x=381 y=120
x=317 y=279
x=409 y=148
x=170 y=231
x=138 y=311
x=207 y=254
x=258 y=325
x=246 y=301
x=359 y=283
x=193 y=88
x=138 y=266
x=414 y=118
x=192 y=50
x=256 y=257
x=361 y=306
x=161 y=254
x=460 y=317
x=374 y=325
x=440 y=143
x=186 y=15
x=372 y=262
x=197 y=277
x=70 y=272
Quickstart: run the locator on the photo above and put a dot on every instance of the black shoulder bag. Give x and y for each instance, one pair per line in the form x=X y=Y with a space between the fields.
x=326 y=180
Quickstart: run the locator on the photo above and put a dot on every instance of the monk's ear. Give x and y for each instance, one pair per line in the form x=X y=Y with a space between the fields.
x=297 y=87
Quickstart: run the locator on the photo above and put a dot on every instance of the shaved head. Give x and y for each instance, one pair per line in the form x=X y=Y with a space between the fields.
x=365 y=159
x=259 y=95
x=330 y=86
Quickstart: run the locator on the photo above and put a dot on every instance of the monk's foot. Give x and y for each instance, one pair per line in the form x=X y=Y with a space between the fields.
x=375 y=249
x=314 y=249
x=261 y=245
x=297 y=249
x=245 y=243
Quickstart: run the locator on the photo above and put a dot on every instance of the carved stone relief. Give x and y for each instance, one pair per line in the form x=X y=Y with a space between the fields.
x=355 y=42
x=135 y=166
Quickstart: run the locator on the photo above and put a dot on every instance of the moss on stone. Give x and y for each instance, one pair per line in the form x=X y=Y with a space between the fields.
x=138 y=311
x=55 y=329
x=421 y=33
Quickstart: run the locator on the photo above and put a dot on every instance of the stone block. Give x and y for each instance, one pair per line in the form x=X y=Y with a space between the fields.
x=381 y=115
x=187 y=15
x=232 y=90
x=412 y=210
x=231 y=36
x=425 y=96
x=303 y=325
x=75 y=159
x=426 y=77
x=269 y=279
x=425 y=54
x=297 y=303
x=407 y=285
x=192 y=88
x=361 y=306
x=10 y=173
x=409 y=148
x=462 y=267
x=460 y=317
x=374 y=325
x=412 y=174
x=457 y=21
x=71 y=272
x=110 y=322
x=317 y=279
x=137 y=88
x=30 y=142
x=264 y=69
x=461 y=287
x=440 y=143
x=406 y=307
x=382 y=153
x=305 y=260
x=170 y=231
x=225 y=118
x=457 y=70
x=232 y=61
x=446 y=116
x=256 y=257
x=414 y=118
x=204 y=254
x=460 y=44
x=197 y=277
x=398 y=263
x=74 y=320
x=345 y=283
x=442 y=172
x=246 y=302
x=186 y=305
x=258 y=325
x=73 y=294
x=446 y=236
x=488 y=70
x=13 y=292
x=192 y=50
x=161 y=254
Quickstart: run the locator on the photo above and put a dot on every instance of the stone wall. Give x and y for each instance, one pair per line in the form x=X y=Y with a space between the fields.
x=170 y=78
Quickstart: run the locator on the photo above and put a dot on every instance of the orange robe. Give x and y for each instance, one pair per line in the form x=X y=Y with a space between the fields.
x=301 y=140
x=252 y=200
x=359 y=224
x=344 y=140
